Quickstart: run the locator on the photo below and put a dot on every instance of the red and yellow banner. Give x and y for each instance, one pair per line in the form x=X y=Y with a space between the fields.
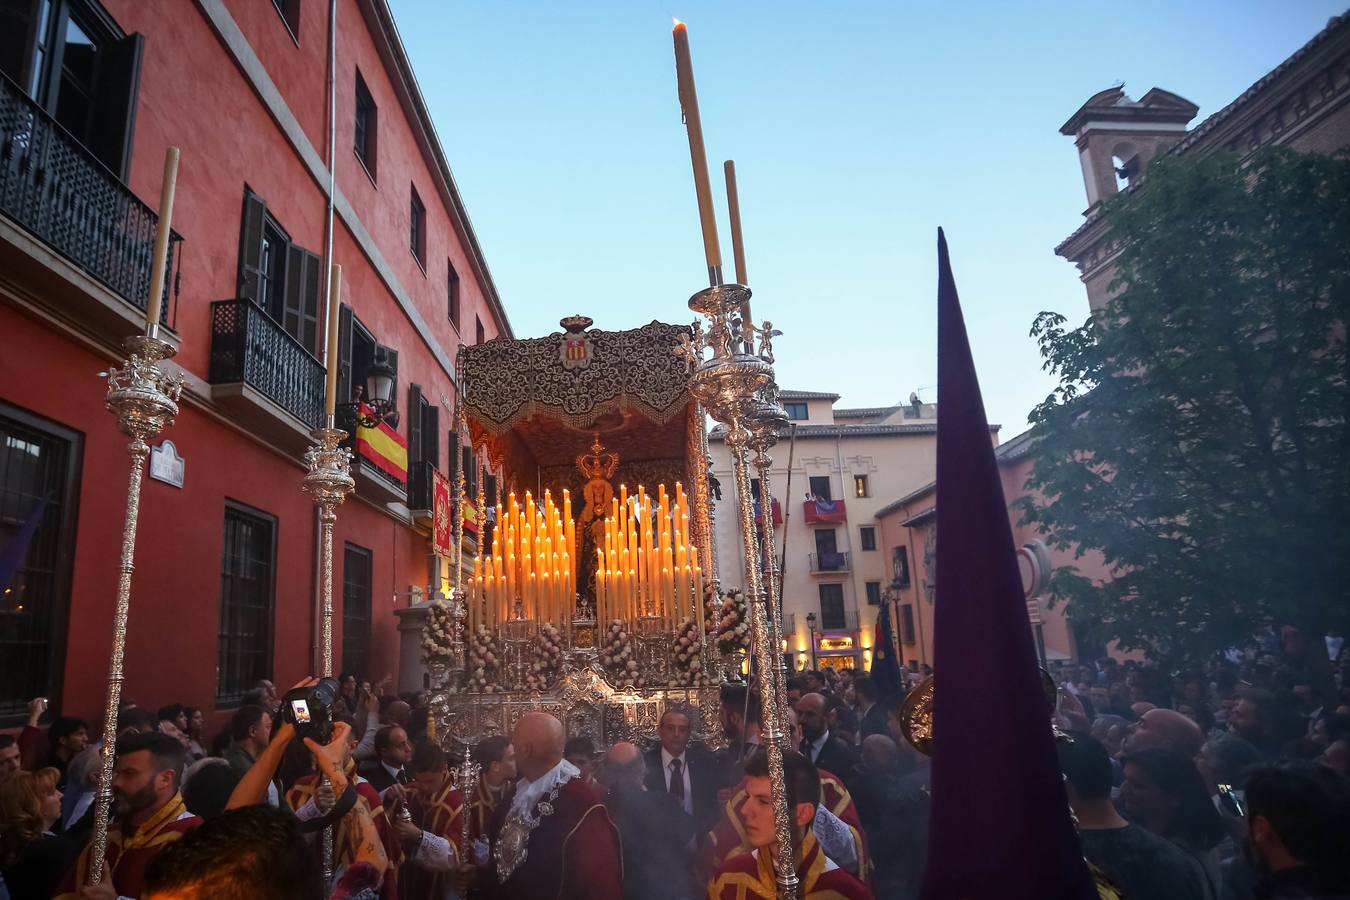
x=383 y=447
x=470 y=516
x=442 y=507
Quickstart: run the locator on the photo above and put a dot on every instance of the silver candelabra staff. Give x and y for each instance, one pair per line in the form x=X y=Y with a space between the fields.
x=766 y=421
x=144 y=398
x=729 y=384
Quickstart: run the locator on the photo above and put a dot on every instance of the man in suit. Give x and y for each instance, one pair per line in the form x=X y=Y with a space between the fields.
x=689 y=777
x=824 y=750
x=871 y=714
x=655 y=833
x=392 y=752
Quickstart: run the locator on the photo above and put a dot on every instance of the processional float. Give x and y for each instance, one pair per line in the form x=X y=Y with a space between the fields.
x=609 y=610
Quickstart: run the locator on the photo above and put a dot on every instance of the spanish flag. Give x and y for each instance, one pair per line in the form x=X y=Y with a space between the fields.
x=383 y=447
x=470 y=513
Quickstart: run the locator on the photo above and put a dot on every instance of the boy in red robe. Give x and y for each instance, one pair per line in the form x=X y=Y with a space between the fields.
x=434 y=836
x=150 y=817
x=496 y=783
x=751 y=875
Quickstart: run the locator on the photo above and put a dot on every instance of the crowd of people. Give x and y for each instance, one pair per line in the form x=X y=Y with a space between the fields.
x=1228 y=782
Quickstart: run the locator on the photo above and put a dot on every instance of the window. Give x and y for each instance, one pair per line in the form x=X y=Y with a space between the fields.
x=424 y=446
x=907 y=624
x=75 y=62
x=754 y=489
x=366 y=133
x=796 y=411
x=832 y=616
x=39 y=481
x=418 y=228
x=860 y=486
x=900 y=566
x=820 y=487
x=479 y=335
x=873 y=593
x=247 y=573
x=283 y=278
x=452 y=293
x=868 y=536
x=356 y=578
x=290 y=13
x=826 y=544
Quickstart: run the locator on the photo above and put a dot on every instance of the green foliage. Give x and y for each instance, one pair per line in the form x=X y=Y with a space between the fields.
x=1199 y=437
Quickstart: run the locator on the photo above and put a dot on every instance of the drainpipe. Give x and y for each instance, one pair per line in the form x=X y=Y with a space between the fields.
x=315 y=649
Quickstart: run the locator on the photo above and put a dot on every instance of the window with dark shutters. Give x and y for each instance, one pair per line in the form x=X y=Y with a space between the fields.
x=283 y=278
x=344 y=354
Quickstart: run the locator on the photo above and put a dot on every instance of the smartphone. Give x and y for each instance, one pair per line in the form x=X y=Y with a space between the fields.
x=1228 y=799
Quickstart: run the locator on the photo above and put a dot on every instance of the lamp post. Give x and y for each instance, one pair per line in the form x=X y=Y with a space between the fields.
x=811 y=627
x=377 y=395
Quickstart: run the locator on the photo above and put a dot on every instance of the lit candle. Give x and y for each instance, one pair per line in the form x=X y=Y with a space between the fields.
x=159 y=259
x=684 y=73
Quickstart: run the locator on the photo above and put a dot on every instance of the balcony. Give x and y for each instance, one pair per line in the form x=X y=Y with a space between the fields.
x=824 y=512
x=263 y=375
x=830 y=563
x=68 y=219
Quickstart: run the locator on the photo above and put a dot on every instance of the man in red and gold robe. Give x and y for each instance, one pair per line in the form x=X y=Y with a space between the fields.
x=302 y=800
x=496 y=785
x=728 y=838
x=150 y=816
x=554 y=839
x=750 y=876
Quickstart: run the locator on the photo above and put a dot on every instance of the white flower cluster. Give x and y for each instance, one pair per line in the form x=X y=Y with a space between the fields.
x=484 y=661
x=618 y=659
x=548 y=659
x=438 y=634
x=686 y=669
x=733 y=626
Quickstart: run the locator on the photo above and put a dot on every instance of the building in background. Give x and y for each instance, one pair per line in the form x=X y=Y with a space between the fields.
x=225 y=589
x=908 y=528
x=1301 y=103
x=846 y=464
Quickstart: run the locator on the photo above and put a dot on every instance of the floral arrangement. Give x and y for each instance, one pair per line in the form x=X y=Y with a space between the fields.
x=733 y=626
x=686 y=668
x=617 y=657
x=438 y=634
x=543 y=672
x=484 y=662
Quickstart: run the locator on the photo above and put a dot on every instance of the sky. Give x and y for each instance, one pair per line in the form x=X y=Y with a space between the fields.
x=857 y=129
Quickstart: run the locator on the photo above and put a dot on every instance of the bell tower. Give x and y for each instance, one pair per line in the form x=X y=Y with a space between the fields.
x=1117 y=136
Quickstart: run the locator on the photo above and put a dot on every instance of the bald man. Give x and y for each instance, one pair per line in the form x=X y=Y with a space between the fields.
x=555 y=838
x=1166 y=729
x=823 y=749
x=656 y=832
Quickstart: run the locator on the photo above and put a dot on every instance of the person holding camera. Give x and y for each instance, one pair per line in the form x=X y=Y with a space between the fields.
x=308 y=708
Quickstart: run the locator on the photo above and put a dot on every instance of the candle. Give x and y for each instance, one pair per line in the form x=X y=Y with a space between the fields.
x=684 y=73
x=330 y=353
x=159 y=259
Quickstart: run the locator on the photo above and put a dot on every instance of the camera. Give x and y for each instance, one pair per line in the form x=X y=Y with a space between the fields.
x=310 y=709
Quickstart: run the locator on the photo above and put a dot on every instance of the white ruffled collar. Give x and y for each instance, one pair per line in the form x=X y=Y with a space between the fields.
x=528 y=793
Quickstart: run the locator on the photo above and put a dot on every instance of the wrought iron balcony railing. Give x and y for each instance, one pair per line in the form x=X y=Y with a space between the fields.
x=54 y=188
x=249 y=347
x=830 y=562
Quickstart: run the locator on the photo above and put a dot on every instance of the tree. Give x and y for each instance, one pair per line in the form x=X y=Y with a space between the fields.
x=1199 y=436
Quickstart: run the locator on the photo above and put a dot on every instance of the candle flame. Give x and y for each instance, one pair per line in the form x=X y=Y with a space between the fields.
x=676 y=22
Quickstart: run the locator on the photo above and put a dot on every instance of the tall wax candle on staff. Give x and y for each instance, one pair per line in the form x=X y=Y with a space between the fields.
x=684 y=73
x=159 y=259
x=738 y=245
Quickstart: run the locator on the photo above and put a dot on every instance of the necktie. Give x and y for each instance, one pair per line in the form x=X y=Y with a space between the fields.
x=677 y=779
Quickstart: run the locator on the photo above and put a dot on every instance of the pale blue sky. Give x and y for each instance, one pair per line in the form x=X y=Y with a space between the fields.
x=857 y=128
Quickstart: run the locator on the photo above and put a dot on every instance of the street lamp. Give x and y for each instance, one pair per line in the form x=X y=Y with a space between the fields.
x=811 y=626
x=376 y=394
